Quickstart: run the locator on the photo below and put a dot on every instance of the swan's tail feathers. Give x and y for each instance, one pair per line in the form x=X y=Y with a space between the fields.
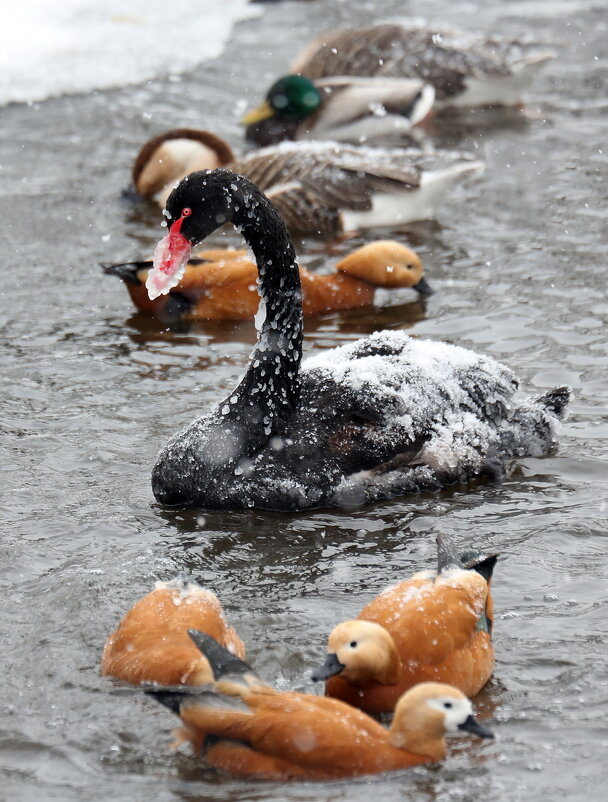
x=222 y=661
x=555 y=401
x=127 y=271
x=447 y=553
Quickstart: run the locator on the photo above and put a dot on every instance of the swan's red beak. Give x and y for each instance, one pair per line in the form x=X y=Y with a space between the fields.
x=171 y=256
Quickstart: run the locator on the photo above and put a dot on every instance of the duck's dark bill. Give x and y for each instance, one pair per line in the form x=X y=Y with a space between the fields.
x=423 y=287
x=330 y=668
x=472 y=725
x=170 y=259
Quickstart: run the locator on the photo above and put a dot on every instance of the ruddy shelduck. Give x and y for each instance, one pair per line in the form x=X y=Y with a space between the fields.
x=221 y=284
x=151 y=643
x=261 y=733
x=433 y=627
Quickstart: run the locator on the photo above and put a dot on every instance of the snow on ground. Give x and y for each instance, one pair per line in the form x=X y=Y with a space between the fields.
x=50 y=48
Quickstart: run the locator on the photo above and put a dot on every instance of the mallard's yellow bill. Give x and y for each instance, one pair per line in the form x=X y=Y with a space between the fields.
x=262 y=112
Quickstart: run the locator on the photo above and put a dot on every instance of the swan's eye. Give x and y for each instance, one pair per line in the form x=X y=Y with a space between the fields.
x=410 y=267
x=353 y=644
x=186 y=212
x=448 y=705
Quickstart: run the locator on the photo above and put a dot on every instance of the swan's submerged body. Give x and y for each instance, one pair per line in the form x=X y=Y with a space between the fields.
x=383 y=416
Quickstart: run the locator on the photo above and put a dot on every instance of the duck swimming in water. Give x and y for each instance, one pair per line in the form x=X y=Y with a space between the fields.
x=261 y=733
x=432 y=627
x=221 y=284
x=344 y=109
x=320 y=188
x=151 y=643
x=466 y=68
x=380 y=417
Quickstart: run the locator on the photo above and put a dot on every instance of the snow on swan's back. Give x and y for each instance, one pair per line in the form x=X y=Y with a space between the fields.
x=380 y=417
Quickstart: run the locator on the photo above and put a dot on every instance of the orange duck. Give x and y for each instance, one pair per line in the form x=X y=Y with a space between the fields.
x=151 y=643
x=264 y=734
x=433 y=627
x=221 y=284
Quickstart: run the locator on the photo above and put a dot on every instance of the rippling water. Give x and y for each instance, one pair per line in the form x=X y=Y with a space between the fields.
x=91 y=392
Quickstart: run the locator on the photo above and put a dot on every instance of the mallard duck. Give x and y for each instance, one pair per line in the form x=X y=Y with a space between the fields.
x=151 y=643
x=343 y=109
x=465 y=68
x=321 y=188
x=261 y=733
x=221 y=284
x=433 y=627
x=376 y=418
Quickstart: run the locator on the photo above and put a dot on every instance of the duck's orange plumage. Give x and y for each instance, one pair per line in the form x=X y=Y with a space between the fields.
x=284 y=736
x=222 y=285
x=432 y=627
x=151 y=643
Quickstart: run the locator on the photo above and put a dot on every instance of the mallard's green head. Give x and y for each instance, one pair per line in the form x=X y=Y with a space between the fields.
x=293 y=97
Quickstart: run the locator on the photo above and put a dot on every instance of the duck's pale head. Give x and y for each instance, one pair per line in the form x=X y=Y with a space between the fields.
x=362 y=653
x=386 y=263
x=169 y=157
x=426 y=713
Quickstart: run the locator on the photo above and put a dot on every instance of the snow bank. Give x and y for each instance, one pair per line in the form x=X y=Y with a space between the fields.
x=50 y=48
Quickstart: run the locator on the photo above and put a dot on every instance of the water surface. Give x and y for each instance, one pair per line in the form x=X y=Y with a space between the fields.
x=91 y=391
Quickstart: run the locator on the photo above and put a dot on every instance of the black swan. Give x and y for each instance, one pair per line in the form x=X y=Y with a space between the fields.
x=383 y=416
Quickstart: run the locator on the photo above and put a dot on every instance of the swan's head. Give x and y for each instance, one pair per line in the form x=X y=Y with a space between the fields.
x=426 y=713
x=386 y=263
x=171 y=156
x=361 y=653
x=292 y=97
x=200 y=203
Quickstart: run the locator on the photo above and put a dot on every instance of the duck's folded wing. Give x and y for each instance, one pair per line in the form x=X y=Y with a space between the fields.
x=348 y=98
x=307 y=732
x=404 y=50
x=360 y=51
x=430 y=620
x=338 y=176
x=302 y=209
x=442 y=57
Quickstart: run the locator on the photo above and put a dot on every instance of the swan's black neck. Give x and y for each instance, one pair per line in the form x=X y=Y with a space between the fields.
x=271 y=381
x=269 y=390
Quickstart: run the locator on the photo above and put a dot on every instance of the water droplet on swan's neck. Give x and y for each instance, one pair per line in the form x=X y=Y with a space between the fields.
x=269 y=390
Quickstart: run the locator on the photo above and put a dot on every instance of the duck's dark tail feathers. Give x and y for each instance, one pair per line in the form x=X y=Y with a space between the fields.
x=169 y=697
x=174 y=696
x=127 y=271
x=555 y=401
x=482 y=563
x=222 y=661
x=447 y=554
